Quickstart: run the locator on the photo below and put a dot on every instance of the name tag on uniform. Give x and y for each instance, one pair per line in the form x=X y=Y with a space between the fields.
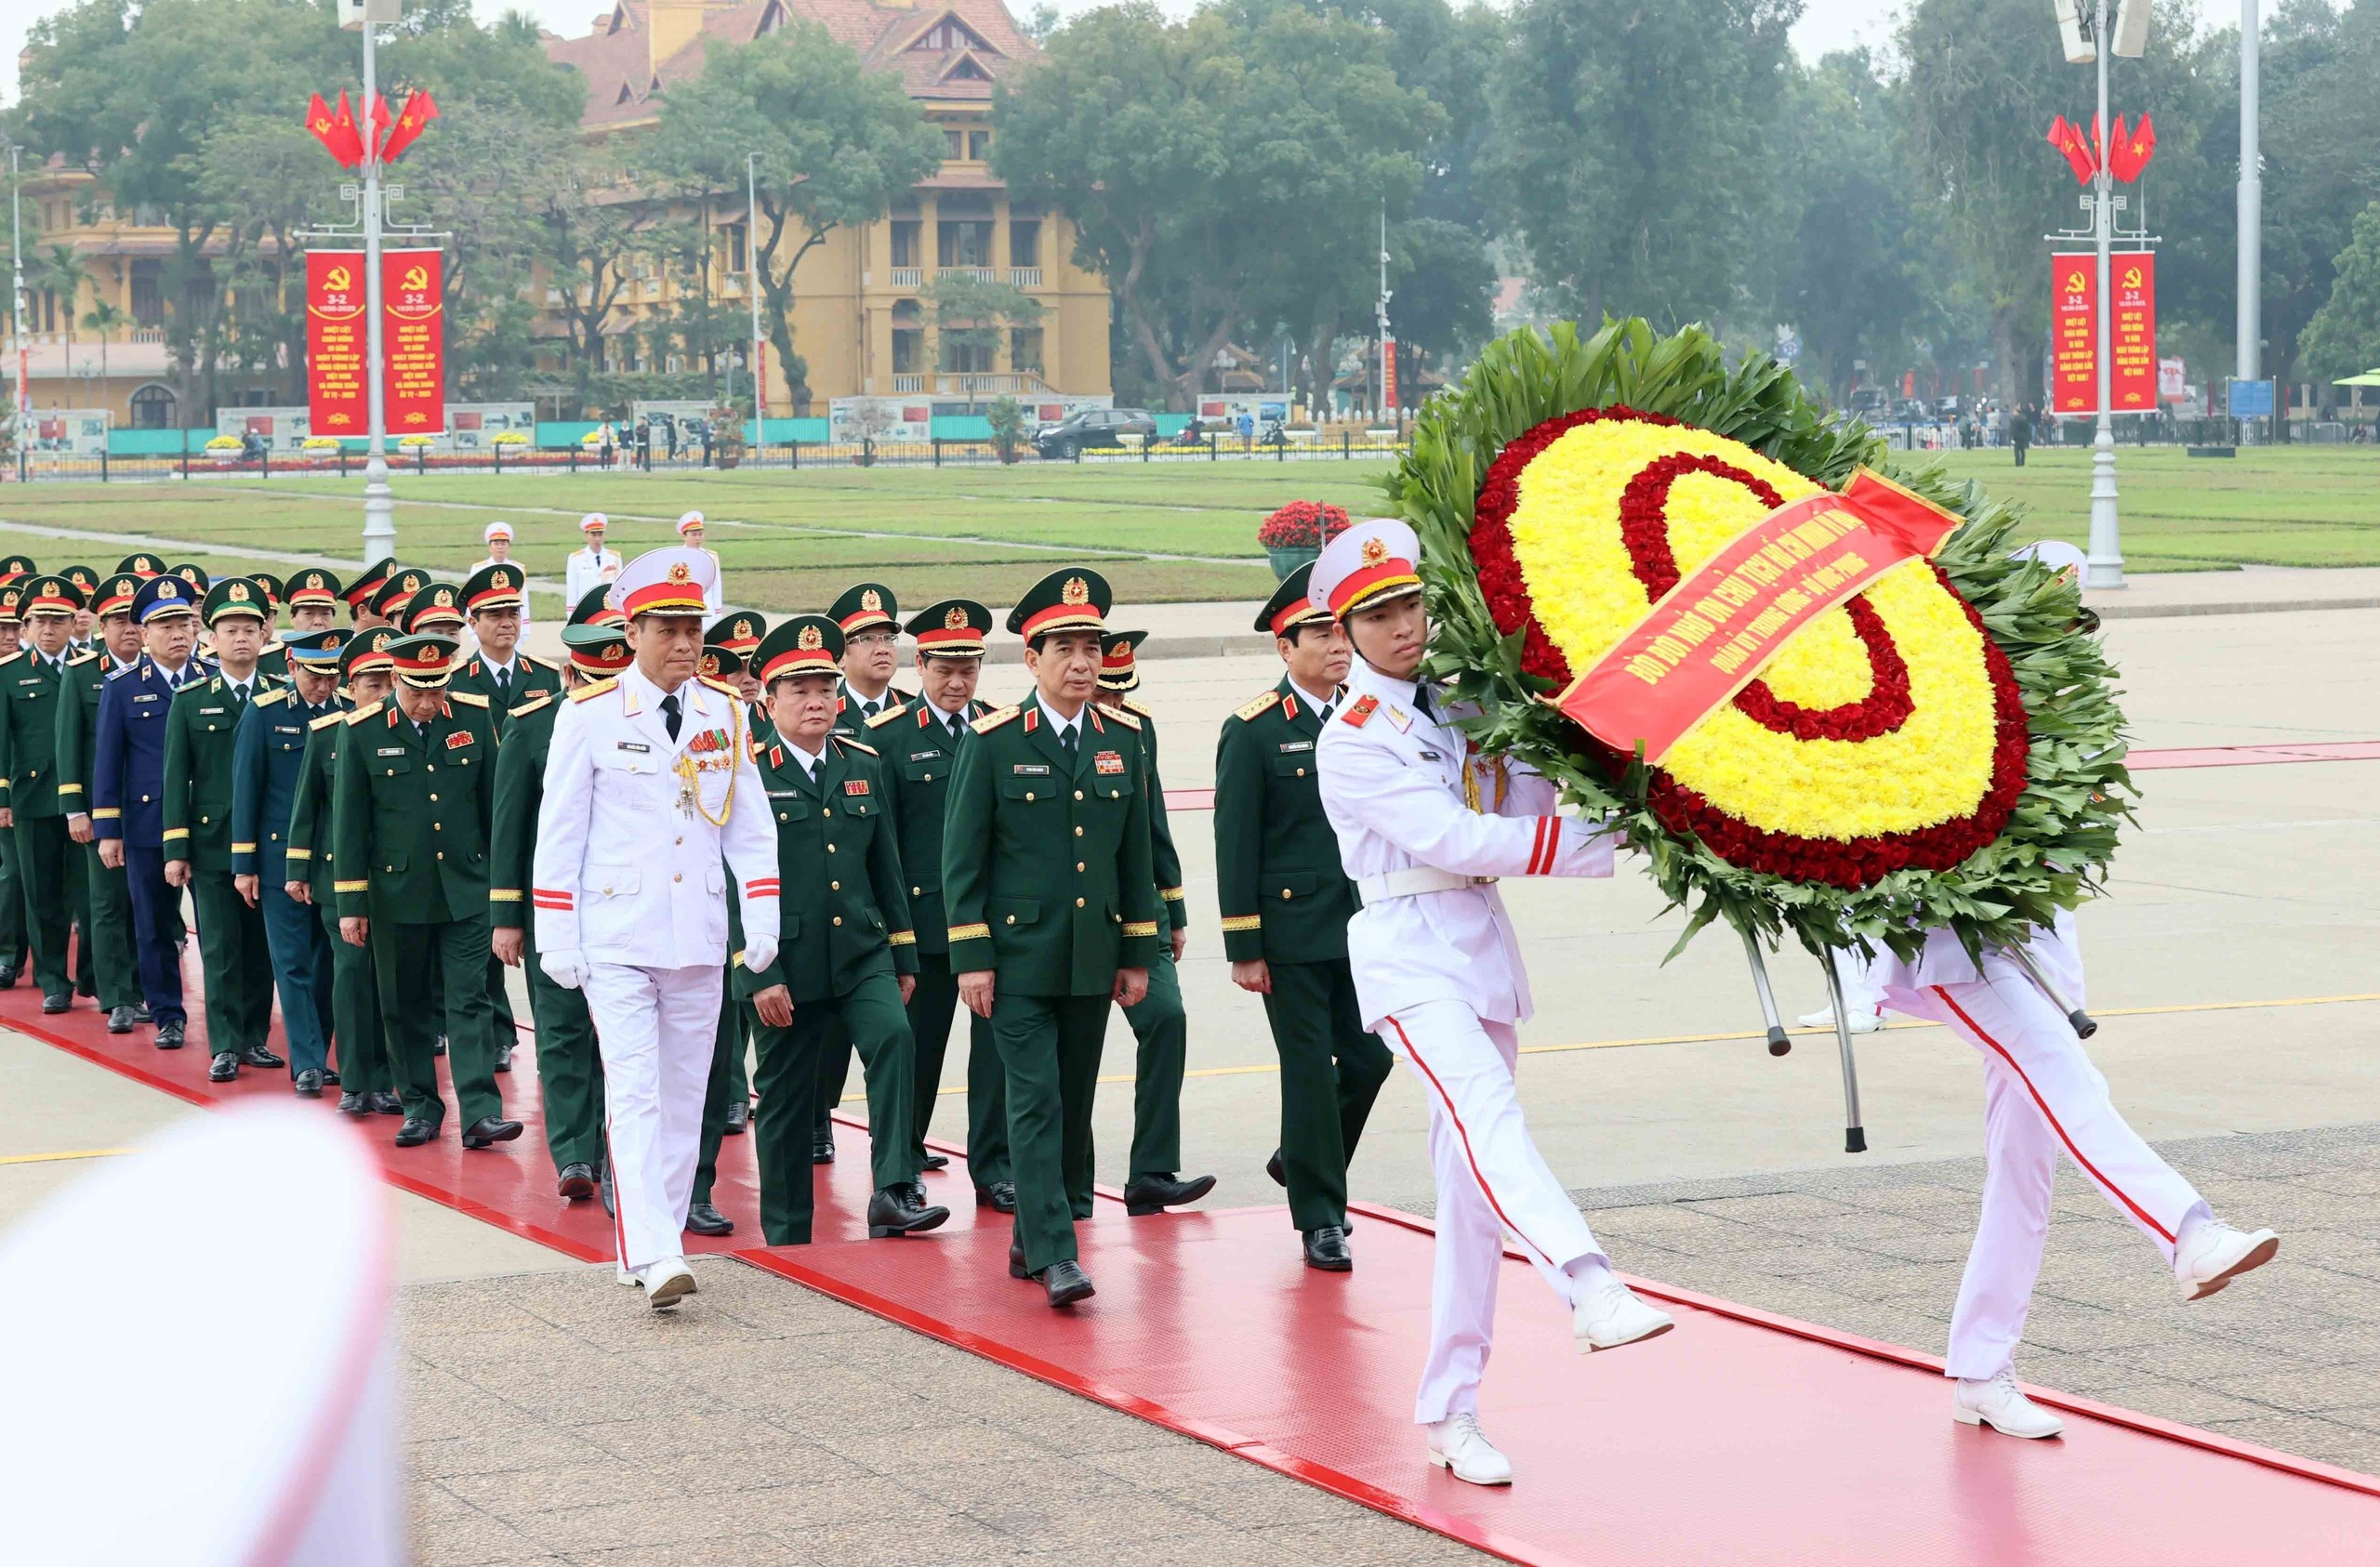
x=1429 y=755
x=287 y=729
x=1297 y=744
x=785 y=794
x=30 y=681
x=1108 y=761
x=1031 y=770
x=854 y=785
x=147 y=696
x=637 y=746
x=923 y=756
x=391 y=751
x=208 y=712
x=458 y=740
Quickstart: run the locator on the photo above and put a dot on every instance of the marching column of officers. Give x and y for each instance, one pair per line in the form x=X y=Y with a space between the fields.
x=353 y=813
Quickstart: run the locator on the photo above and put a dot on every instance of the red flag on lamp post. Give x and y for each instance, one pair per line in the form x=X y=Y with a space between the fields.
x=2131 y=153
x=324 y=128
x=420 y=108
x=346 y=143
x=380 y=123
x=2067 y=139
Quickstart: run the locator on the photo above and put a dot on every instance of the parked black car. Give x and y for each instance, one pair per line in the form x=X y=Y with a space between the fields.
x=1087 y=427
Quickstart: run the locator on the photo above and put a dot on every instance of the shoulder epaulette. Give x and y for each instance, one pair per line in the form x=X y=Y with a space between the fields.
x=1134 y=704
x=528 y=663
x=535 y=703
x=327 y=721
x=369 y=711
x=1251 y=710
x=1118 y=715
x=13 y=657
x=83 y=657
x=585 y=692
x=722 y=686
x=1358 y=713
x=267 y=698
x=123 y=669
x=886 y=716
x=469 y=698
x=848 y=743
x=996 y=718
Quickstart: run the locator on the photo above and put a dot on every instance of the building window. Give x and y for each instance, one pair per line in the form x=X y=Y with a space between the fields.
x=905 y=243
x=1025 y=243
x=965 y=356
x=979 y=145
x=909 y=345
x=953 y=144
x=963 y=244
x=736 y=258
x=148 y=293
x=1024 y=348
x=153 y=407
x=947 y=33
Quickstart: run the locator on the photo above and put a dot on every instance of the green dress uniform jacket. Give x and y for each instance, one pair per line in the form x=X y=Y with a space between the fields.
x=410 y=829
x=1160 y=1026
x=532 y=680
x=917 y=754
x=202 y=729
x=1048 y=877
x=570 y=1069
x=1286 y=900
x=360 y=1042
x=852 y=719
x=31 y=692
x=105 y=913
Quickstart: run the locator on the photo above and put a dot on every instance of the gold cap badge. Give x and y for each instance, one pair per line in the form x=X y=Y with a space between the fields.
x=871 y=600
x=239 y=593
x=809 y=639
x=1077 y=591
x=1375 y=551
x=954 y=620
x=682 y=572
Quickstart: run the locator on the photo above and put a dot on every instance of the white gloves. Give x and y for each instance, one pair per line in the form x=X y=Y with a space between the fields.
x=567 y=969
x=759 y=952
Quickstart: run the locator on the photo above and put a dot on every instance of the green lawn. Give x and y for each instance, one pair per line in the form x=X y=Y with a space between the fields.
x=1162 y=533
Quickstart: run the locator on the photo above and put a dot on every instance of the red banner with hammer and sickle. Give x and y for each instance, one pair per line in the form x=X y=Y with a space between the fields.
x=412 y=342
x=334 y=389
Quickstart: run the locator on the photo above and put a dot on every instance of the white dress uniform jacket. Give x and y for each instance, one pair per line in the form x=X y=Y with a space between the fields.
x=627 y=866
x=1397 y=785
x=588 y=572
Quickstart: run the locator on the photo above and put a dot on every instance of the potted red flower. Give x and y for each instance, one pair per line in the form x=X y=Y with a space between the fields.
x=1296 y=533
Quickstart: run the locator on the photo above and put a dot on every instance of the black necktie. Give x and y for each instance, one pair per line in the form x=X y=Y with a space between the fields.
x=503 y=691
x=1324 y=716
x=1067 y=742
x=958 y=726
x=669 y=714
x=1422 y=702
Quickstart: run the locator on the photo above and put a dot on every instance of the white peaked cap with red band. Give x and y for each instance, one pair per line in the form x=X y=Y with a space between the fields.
x=675 y=581
x=1372 y=562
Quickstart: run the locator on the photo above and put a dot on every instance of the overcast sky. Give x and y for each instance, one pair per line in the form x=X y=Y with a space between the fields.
x=1826 y=24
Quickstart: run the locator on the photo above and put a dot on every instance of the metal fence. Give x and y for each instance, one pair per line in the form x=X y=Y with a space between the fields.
x=101 y=467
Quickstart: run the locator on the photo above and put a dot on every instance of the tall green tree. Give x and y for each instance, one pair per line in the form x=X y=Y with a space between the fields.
x=836 y=144
x=2344 y=337
x=2322 y=146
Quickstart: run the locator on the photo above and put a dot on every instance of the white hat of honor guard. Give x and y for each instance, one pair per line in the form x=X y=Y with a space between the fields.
x=675 y=581
x=1373 y=562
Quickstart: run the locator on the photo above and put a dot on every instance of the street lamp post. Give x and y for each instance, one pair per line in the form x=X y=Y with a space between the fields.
x=2248 y=357
x=379 y=504
x=752 y=287
x=2105 y=567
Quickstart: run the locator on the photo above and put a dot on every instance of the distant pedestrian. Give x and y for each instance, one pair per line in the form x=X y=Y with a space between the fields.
x=605 y=441
x=2020 y=432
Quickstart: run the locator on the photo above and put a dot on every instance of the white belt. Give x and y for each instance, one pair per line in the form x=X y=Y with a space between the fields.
x=1414 y=882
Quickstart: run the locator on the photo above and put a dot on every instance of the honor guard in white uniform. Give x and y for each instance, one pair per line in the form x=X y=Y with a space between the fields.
x=1424 y=827
x=690 y=528
x=592 y=567
x=649 y=784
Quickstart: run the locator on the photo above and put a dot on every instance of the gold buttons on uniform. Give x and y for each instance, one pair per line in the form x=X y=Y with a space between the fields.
x=1012 y=919
x=839 y=919
x=434 y=799
x=1028 y=797
x=1078 y=794
x=916 y=892
x=1077 y=832
x=826 y=811
x=1285 y=892
x=442 y=854
x=1078 y=902
x=678 y=878
x=834 y=886
x=1301 y=772
x=438 y=826
x=783 y=817
x=1078 y=864
x=830 y=849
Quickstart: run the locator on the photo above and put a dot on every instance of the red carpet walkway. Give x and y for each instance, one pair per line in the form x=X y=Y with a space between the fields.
x=1741 y=1438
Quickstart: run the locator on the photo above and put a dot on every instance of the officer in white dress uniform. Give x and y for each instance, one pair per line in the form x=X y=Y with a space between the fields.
x=497 y=537
x=1424 y=827
x=591 y=566
x=690 y=530
x=649 y=783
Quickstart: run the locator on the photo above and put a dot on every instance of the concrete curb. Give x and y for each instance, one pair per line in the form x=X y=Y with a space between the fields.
x=2273 y=606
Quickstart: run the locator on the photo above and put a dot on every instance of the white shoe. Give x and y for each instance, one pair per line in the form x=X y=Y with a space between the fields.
x=1998 y=1403
x=1459 y=1448
x=2213 y=1254
x=1861 y=1023
x=1612 y=1315
x=667 y=1281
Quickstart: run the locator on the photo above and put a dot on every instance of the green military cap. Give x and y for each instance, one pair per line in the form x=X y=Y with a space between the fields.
x=114 y=594
x=368 y=653
x=400 y=583
x=235 y=596
x=594 y=608
x=141 y=565
x=50 y=594
x=1119 y=663
x=317 y=650
x=1292 y=604
x=312 y=586
x=192 y=573
x=274 y=591
x=11 y=595
x=865 y=607
x=423 y=661
x=954 y=629
x=738 y=633
x=803 y=645
x=375 y=576
x=596 y=651
x=501 y=584
x=438 y=606
x=1073 y=600
x=84 y=577
x=13 y=566
x=720 y=664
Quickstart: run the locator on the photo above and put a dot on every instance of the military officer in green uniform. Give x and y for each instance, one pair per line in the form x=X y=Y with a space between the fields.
x=106 y=914
x=727 y=1095
x=273 y=658
x=919 y=743
x=1053 y=909
x=202 y=730
x=570 y=1069
x=86 y=582
x=1160 y=1027
x=32 y=688
x=367 y=1082
x=416 y=776
x=311 y=597
x=1286 y=904
x=847 y=956
x=360 y=594
x=389 y=600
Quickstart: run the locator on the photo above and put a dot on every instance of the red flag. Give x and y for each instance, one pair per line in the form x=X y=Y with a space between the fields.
x=319 y=122
x=2112 y=154
x=420 y=108
x=345 y=142
x=379 y=121
x=2067 y=140
x=2131 y=153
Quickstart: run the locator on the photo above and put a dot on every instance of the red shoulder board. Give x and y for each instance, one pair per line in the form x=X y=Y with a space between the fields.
x=854 y=785
x=393 y=715
x=776 y=755
x=1032 y=720
x=1359 y=712
x=923 y=710
x=1288 y=706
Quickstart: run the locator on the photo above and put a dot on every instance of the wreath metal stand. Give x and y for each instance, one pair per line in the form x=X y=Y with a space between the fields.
x=1855 y=1134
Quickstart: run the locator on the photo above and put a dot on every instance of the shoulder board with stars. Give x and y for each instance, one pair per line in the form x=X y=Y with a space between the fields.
x=469 y=698
x=720 y=686
x=1118 y=715
x=1133 y=702
x=1359 y=712
x=528 y=663
x=1247 y=712
x=995 y=719
x=267 y=698
x=83 y=657
x=327 y=721
x=889 y=714
x=534 y=705
x=12 y=658
x=371 y=710
x=122 y=669
x=588 y=693
x=848 y=744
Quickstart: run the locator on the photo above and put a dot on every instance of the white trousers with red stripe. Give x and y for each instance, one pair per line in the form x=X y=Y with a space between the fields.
x=2041 y=1097
x=1490 y=1179
x=655 y=1028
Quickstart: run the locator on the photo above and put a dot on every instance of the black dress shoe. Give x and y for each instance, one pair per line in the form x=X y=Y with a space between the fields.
x=490 y=1129
x=1016 y=1260
x=225 y=1068
x=739 y=1116
x=1001 y=1196
x=256 y=1055
x=140 y=1013
x=1326 y=1249
x=504 y=1058
x=53 y=1005
x=122 y=1019
x=386 y=1102
x=330 y=1079
x=8 y=976
x=414 y=1132
x=934 y=1162
x=704 y=1220
x=1278 y=1171
x=822 y=1152
x=1066 y=1282
x=903 y=1210
x=1145 y=1194
x=351 y=1105
x=308 y=1084
x=169 y=1037
x=577 y=1182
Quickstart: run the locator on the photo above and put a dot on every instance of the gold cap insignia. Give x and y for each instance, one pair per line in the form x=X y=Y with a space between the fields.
x=313 y=579
x=239 y=593
x=444 y=597
x=711 y=664
x=1077 y=591
x=682 y=572
x=872 y=601
x=169 y=591
x=1375 y=551
x=500 y=579
x=809 y=639
x=1120 y=650
x=743 y=629
x=954 y=620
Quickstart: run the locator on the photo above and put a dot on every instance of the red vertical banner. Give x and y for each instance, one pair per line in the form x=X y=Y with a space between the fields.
x=412 y=342
x=335 y=399
x=1388 y=374
x=2074 y=341
x=2133 y=328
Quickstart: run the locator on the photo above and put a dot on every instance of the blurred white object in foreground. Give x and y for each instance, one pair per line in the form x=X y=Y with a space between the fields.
x=195 y=1355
